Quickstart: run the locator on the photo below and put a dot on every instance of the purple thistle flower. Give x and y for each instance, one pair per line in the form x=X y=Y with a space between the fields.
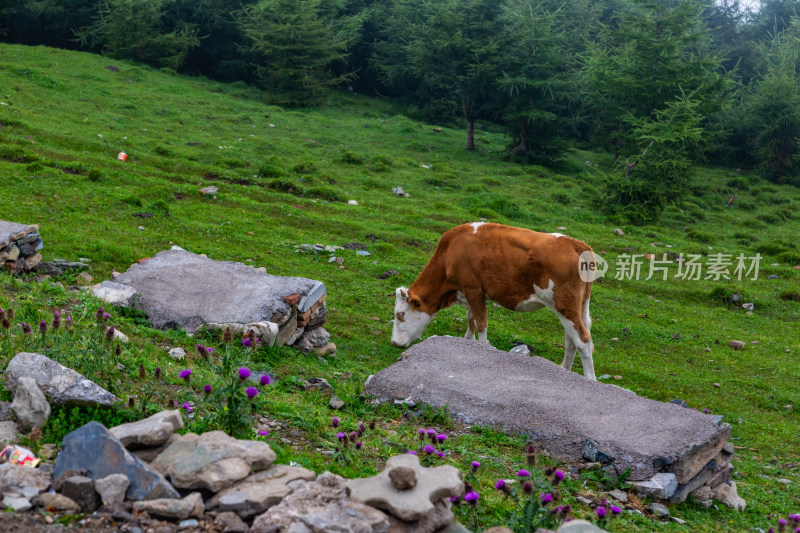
x=246 y=342
x=471 y=497
x=244 y=373
x=431 y=431
x=43 y=326
x=263 y=432
x=358 y=445
x=335 y=422
x=69 y=322
x=187 y=406
x=56 y=319
x=429 y=449
x=340 y=436
x=185 y=375
x=500 y=485
x=615 y=509
x=251 y=392
x=361 y=428
x=705 y=410
x=475 y=466
x=523 y=473
x=440 y=453
x=207 y=389
x=421 y=433
x=99 y=315
x=545 y=497
x=26 y=329
x=527 y=487
x=559 y=475
x=209 y=350
x=265 y=380
x=441 y=437
x=411 y=452
x=106 y=316
x=601 y=512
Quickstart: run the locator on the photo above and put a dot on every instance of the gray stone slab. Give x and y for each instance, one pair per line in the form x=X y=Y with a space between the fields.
x=559 y=409
x=179 y=289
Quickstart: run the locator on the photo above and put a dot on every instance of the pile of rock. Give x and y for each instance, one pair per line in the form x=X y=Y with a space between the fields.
x=19 y=246
x=179 y=289
x=145 y=471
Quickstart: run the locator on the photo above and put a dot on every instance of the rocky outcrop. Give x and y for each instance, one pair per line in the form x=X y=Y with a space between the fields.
x=260 y=491
x=94 y=450
x=152 y=431
x=19 y=246
x=212 y=461
x=179 y=289
x=30 y=407
x=60 y=384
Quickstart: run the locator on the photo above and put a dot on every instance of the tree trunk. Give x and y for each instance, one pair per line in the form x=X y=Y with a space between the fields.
x=470 y=134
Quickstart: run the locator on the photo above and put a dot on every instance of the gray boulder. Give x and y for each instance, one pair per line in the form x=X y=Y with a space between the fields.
x=115 y=293
x=212 y=461
x=260 y=491
x=659 y=487
x=30 y=407
x=59 y=383
x=112 y=488
x=80 y=450
x=415 y=503
x=80 y=489
x=152 y=431
x=321 y=505
x=57 y=503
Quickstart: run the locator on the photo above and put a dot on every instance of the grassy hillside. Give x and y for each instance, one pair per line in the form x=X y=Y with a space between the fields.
x=285 y=177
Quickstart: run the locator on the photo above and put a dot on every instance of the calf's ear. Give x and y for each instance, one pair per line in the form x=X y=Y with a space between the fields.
x=402 y=293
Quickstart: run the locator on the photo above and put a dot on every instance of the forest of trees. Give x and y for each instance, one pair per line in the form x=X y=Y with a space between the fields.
x=663 y=85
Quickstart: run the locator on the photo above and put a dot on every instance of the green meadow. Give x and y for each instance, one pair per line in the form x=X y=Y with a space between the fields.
x=285 y=177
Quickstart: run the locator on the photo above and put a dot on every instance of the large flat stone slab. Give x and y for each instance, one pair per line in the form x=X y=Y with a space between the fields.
x=559 y=409
x=179 y=289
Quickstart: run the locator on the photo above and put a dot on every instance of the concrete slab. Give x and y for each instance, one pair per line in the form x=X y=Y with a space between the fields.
x=176 y=288
x=559 y=409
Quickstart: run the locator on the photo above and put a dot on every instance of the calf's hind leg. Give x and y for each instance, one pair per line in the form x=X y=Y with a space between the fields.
x=476 y=314
x=577 y=338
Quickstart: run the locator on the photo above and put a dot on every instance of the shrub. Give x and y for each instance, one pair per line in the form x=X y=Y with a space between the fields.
x=352 y=158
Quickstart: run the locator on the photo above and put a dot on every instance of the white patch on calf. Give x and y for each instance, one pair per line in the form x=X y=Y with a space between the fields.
x=477 y=225
x=558 y=235
x=540 y=298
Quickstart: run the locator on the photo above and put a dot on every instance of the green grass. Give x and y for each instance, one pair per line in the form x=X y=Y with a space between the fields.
x=285 y=177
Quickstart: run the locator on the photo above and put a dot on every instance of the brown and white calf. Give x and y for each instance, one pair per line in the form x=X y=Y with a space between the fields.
x=520 y=269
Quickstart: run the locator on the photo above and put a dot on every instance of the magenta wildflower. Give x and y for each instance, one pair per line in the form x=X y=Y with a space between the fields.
x=475 y=466
x=100 y=314
x=56 y=319
x=431 y=432
x=187 y=406
x=411 y=452
x=263 y=432
x=69 y=322
x=246 y=342
x=43 y=326
x=523 y=473
x=421 y=433
x=500 y=485
x=705 y=410
x=441 y=437
x=265 y=380
x=361 y=428
x=440 y=453
x=545 y=497
x=207 y=389
x=106 y=316
x=335 y=422
x=471 y=497
x=358 y=445
x=527 y=487
x=251 y=392
x=559 y=475
x=26 y=329
x=601 y=512
x=244 y=373
x=185 y=375
x=615 y=509
x=340 y=436
x=429 y=449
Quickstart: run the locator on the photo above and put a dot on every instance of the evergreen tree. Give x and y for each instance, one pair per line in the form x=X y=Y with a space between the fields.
x=448 y=51
x=138 y=30
x=295 y=46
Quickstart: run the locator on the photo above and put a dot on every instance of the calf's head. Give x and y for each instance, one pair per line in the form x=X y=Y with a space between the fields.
x=409 y=320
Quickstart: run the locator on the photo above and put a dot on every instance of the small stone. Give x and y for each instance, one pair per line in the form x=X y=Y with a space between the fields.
x=16 y=503
x=403 y=478
x=702 y=493
x=772 y=276
x=85 y=277
x=230 y=522
x=81 y=490
x=320 y=384
x=328 y=349
x=727 y=495
x=592 y=453
x=615 y=339
x=677 y=520
x=708 y=349
x=716 y=385
x=177 y=353
x=659 y=487
x=352 y=202
x=30 y=407
x=191 y=522
x=112 y=488
x=604 y=376
x=336 y=403
x=755 y=342
x=209 y=191
x=141 y=228
x=682 y=403
x=617 y=377
x=362 y=253
x=659 y=510
x=618 y=231
x=736 y=345
x=57 y=503
x=619 y=495
x=788 y=407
